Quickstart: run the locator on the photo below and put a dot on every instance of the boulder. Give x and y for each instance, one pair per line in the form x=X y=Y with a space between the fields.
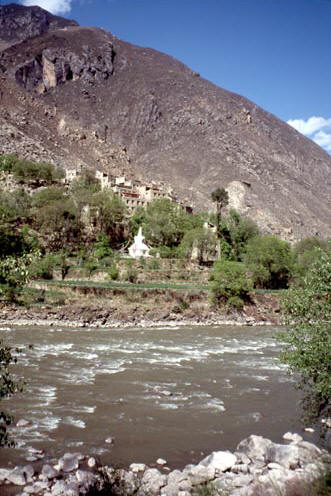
x=69 y=462
x=151 y=482
x=285 y=455
x=199 y=474
x=137 y=467
x=48 y=472
x=254 y=447
x=220 y=460
x=293 y=437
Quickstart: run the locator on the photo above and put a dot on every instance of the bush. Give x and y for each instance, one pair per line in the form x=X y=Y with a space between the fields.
x=8 y=386
x=230 y=284
x=270 y=262
x=44 y=267
x=131 y=275
x=307 y=310
x=113 y=272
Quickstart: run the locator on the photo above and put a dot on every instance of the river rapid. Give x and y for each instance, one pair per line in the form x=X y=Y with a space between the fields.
x=175 y=393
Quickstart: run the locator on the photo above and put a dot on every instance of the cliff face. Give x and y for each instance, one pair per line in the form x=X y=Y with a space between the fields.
x=78 y=95
x=18 y=23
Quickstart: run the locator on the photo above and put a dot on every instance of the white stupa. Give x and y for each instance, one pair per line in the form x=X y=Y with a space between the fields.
x=139 y=248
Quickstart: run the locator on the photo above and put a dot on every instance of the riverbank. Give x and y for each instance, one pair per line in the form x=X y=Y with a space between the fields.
x=258 y=467
x=141 y=309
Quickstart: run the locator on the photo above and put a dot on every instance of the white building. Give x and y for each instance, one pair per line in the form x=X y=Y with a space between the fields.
x=139 y=249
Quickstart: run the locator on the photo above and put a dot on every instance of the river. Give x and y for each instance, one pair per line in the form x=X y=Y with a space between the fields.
x=175 y=393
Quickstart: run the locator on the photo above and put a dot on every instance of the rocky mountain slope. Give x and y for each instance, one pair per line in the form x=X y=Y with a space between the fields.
x=76 y=95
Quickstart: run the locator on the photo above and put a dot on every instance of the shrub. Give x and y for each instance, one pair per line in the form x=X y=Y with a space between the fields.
x=113 y=272
x=307 y=310
x=44 y=267
x=131 y=275
x=270 y=261
x=8 y=386
x=230 y=284
x=154 y=263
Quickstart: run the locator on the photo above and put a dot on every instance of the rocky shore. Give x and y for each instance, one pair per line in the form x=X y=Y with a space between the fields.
x=258 y=467
x=98 y=317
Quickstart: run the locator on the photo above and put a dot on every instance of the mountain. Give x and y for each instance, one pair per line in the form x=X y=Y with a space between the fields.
x=79 y=96
x=17 y=23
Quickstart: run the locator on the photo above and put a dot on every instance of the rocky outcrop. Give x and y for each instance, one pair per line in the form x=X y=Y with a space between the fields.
x=54 y=66
x=18 y=23
x=258 y=467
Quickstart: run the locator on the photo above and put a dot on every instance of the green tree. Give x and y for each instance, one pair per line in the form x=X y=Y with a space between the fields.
x=221 y=199
x=200 y=242
x=110 y=213
x=164 y=223
x=8 y=386
x=307 y=312
x=229 y=284
x=241 y=230
x=15 y=272
x=57 y=217
x=306 y=252
x=270 y=261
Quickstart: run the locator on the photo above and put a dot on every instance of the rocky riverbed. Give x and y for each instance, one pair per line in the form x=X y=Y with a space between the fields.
x=258 y=467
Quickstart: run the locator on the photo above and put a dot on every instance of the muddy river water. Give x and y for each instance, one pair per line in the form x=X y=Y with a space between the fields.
x=175 y=393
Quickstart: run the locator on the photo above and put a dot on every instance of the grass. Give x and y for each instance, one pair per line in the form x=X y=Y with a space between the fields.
x=128 y=285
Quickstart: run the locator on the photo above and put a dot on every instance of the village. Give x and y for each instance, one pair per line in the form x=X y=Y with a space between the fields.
x=133 y=192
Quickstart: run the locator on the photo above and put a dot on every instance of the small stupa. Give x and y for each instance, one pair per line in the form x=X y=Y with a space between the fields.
x=139 y=248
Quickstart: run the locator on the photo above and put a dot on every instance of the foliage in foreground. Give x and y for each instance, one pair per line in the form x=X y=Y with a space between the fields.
x=307 y=310
x=8 y=386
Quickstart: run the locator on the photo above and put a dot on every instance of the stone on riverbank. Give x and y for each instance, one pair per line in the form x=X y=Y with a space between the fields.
x=259 y=467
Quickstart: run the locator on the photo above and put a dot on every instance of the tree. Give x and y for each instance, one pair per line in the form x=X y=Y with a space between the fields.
x=15 y=272
x=230 y=284
x=8 y=386
x=241 y=230
x=306 y=252
x=200 y=242
x=164 y=223
x=57 y=216
x=270 y=261
x=307 y=312
x=221 y=198
x=110 y=212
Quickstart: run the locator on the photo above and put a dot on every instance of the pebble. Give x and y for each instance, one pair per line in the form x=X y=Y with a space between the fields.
x=109 y=440
x=161 y=461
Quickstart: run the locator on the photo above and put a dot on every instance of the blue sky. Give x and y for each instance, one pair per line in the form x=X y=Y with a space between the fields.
x=274 y=52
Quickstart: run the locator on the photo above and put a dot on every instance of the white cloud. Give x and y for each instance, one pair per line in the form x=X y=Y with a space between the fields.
x=323 y=139
x=316 y=128
x=53 y=6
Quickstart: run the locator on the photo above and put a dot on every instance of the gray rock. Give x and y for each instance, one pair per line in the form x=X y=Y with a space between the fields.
x=130 y=483
x=85 y=479
x=242 y=468
x=91 y=462
x=152 y=481
x=161 y=461
x=220 y=460
x=285 y=455
x=49 y=472
x=17 y=477
x=68 y=462
x=254 y=447
x=58 y=488
x=3 y=474
x=109 y=440
x=293 y=437
x=137 y=467
x=200 y=474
